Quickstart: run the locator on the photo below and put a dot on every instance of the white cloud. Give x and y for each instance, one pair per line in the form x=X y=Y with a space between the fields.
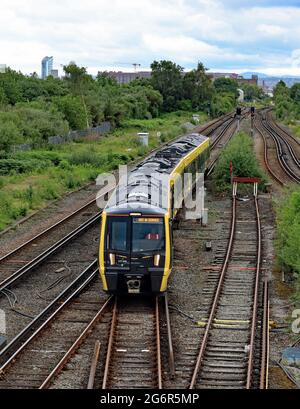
x=98 y=33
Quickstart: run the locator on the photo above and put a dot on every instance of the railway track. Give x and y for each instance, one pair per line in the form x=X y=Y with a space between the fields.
x=28 y=360
x=280 y=156
x=234 y=348
x=125 y=353
x=25 y=293
x=133 y=357
x=11 y=278
x=34 y=250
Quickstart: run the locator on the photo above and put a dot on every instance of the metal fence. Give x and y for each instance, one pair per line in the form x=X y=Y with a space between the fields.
x=92 y=133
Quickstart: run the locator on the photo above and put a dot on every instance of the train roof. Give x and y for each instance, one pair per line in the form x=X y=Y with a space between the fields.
x=145 y=183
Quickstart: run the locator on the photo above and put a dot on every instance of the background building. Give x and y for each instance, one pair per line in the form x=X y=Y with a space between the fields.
x=54 y=73
x=47 y=66
x=239 y=78
x=126 y=77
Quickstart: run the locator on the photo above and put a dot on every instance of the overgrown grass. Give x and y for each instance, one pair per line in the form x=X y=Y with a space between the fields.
x=288 y=229
x=240 y=153
x=295 y=129
x=28 y=180
x=288 y=234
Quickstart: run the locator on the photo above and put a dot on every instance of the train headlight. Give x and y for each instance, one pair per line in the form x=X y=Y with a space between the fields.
x=156 y=260
x=112 y=259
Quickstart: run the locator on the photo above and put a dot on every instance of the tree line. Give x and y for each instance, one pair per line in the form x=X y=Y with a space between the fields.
x=287 y=101
x=32 y=109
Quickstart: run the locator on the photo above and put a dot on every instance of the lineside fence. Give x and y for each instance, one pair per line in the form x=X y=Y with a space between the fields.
x=89 y=133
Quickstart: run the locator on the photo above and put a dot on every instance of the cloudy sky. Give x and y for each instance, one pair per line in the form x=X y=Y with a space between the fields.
x=231 y=35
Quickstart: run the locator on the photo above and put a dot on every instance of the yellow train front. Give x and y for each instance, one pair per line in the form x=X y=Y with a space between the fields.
x=135 y=254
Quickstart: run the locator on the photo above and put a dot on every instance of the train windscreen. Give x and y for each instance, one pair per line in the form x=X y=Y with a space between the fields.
x=148 y=234
x=135 y=234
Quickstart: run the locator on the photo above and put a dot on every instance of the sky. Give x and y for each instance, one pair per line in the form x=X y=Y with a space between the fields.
x=231 y=35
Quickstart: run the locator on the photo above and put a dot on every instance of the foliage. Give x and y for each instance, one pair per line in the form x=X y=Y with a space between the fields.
x=41 y=108
x=26 y=122
x=29 y=179
x=167 y=78
x=225 y=96
x=198 y=88
x=288 y=230
x=252 y=92
x=226 y=86
x=72 y=109
x=186 y=91
x=240 y=153
x=287 y=102
x=9 y=134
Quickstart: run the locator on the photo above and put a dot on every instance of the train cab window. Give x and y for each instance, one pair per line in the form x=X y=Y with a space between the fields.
x=118 y=234
x=147 y=234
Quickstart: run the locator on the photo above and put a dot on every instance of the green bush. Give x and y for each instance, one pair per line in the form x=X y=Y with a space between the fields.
x=8 y=166
x=288 y=230
x=87 y=156
x=43 y=156
x=9 y=135
x=240 y=153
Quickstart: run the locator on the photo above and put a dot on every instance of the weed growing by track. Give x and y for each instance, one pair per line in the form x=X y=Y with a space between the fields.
x=240 y=153
x=288 y=231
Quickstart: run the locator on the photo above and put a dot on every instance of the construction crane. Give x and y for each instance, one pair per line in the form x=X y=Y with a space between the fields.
x=134 y=64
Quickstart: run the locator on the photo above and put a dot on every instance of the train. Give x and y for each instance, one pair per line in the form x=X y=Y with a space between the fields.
x=136 y=234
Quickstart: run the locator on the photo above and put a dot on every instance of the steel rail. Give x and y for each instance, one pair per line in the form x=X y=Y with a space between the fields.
x=280 y=155
x=47 y=230
x=256 y=295
x=109 y=352
x=48 y=252
x=94 y=363
x=277 y=125
x=271 y=123
x=110 y=344
x=11 y=352
x=212 y=165
x=158 y=348
x=170 y=342
x=265 y=339
x=220 y=136
x=218 y=293
x=216 y=297
x=266 y=160
x=87 y=331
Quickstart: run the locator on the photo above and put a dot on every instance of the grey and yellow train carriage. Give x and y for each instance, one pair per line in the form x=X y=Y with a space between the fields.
x=135 y=254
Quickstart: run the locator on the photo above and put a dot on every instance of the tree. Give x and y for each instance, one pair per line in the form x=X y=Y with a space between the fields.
x=10 y=83
x=9 y=135
x=285 y=107
x=72 y=110
x=79 y=81
x=281 y=90
x=3 y=99
x=197 y=87
x=32 y=88
x=222 y=103
x=226 y=85
x=167 y=79
x=105 y=80
x=295 y=93
x=252 y=92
